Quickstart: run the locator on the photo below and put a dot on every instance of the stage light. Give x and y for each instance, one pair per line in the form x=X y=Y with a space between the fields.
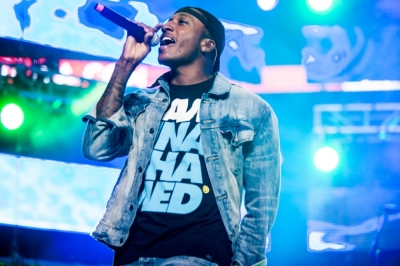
x=267 y=4
x=12 y=116
x=66 y=69
x=4 y=70
x=326 y=159
x=320 y=5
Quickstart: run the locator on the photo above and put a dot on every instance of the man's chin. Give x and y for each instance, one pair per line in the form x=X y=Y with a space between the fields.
x=165 y=62
x=161 y=62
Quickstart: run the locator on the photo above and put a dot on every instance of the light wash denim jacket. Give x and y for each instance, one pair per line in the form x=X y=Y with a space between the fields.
x=240 y=141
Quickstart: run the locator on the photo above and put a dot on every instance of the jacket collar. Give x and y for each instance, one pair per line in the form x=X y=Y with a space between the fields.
x=221 y=83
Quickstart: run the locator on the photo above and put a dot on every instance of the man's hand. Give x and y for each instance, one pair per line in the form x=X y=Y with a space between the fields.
x=134 y=52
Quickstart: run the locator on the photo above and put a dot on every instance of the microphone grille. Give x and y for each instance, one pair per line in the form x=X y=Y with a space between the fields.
x=155 y=40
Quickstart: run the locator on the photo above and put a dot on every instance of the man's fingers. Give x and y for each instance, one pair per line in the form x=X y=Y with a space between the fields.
x=149 y=31
x=148 y=28
x=145 y=27
x=131 y=38
x=157 y=27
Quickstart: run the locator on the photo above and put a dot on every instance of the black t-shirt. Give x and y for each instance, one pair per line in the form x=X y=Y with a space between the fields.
x=178 y=214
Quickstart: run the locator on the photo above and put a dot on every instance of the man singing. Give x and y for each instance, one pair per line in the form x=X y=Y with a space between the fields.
x=197 y=145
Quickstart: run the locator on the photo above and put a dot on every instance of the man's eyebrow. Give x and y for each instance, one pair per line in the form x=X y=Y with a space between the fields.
x=184 y=15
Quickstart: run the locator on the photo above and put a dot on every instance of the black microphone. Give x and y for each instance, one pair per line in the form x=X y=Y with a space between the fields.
x=133 y=29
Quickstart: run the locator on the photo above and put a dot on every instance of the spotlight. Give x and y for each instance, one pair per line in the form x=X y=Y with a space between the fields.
x=320 y=5
x=326 y=159
x=267 y=4
x=12 y=116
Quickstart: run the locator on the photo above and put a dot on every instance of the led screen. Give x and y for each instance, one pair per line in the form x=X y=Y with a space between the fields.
x=75 y=25
x=344 y=219
x=356 y=41
x=53 y=195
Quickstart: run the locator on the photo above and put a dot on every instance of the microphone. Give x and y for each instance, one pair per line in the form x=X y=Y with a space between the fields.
x=133 y=29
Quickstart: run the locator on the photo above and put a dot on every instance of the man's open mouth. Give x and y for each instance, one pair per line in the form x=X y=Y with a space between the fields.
x=167 y=41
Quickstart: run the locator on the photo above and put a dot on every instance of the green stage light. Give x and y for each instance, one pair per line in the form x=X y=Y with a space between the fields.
x=12 y=116
x=326 y=159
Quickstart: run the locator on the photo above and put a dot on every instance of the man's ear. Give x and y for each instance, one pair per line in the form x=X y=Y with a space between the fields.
x=207 y=45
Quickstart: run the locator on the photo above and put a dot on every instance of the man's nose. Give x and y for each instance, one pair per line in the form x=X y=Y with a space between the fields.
x=167 y=27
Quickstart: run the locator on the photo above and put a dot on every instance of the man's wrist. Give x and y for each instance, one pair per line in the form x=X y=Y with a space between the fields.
x=128 y=65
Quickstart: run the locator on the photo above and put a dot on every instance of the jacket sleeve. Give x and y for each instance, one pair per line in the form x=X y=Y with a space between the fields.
x=261 y=181
x=106 y=139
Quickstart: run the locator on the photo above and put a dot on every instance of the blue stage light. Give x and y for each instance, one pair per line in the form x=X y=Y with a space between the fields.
x=326 y=159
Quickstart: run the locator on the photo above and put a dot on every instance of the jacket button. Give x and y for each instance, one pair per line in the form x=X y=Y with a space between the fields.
x=151 y=130
x=140 y=169
x=131 y=208
x=121 y=240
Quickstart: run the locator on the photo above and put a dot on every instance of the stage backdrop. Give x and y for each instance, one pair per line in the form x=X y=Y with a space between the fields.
x=356 y=40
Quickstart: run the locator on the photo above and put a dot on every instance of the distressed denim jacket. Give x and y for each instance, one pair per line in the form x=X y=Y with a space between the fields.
x=240 y=141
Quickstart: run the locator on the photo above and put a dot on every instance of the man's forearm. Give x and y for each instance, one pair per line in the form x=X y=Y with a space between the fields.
x=112 y=98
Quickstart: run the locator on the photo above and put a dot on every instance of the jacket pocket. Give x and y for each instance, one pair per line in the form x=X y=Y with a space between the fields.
x=235 y=137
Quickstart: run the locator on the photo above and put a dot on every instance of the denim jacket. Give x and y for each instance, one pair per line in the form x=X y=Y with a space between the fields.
x=240 y=141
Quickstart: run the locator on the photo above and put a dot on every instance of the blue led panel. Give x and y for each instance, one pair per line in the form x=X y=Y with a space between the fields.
x=344 y=219
x=53 y=195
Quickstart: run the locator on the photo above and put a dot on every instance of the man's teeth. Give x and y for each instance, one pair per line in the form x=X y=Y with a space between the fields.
x=167 y=40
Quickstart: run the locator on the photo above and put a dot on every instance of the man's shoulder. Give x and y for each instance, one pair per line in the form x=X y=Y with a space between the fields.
x=237 y=92
x=241 y=94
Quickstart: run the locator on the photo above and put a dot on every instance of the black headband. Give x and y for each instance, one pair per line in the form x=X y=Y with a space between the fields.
x=194 y=13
